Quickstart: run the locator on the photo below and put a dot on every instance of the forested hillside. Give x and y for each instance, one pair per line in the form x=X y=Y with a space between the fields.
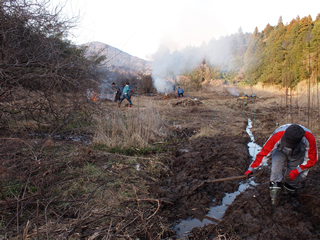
x=284 y=55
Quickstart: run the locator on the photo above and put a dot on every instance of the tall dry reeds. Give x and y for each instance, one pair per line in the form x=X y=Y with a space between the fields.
x=304 y=98
x=135 y=127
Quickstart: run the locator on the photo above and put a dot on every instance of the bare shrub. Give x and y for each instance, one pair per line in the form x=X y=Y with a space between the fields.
x=139 y=82
x=134 y=128
x=145 y=84
x=43 y=77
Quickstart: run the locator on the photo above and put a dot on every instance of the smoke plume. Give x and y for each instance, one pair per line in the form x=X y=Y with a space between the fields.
x=218 y=53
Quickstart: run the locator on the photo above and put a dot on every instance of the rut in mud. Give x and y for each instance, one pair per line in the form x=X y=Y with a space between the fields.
x=194 y=162
x=251 y=215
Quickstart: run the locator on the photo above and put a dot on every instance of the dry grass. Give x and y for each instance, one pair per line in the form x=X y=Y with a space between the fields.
x=261 y=90
x=79 y=187
x=205 y=131
x=135 y=127
x=299 y=94
x=300 y=109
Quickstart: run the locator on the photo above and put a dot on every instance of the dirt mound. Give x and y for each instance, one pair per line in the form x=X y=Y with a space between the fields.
x=181 y=133
x=170 y=96
x=187 y=103
x=196 y=161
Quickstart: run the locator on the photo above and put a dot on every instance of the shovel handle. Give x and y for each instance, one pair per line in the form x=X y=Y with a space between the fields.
x=229 y=178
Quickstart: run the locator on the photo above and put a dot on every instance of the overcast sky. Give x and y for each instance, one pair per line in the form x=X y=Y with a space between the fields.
x=139 y=27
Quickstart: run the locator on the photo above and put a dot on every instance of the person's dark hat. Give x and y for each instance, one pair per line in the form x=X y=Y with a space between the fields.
x=292 y=136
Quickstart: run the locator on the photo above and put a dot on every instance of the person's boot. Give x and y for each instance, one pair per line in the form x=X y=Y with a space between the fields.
x=292 y=192
x=129 y=105
x=119 y=105
x=289 y=190
x=275 y=193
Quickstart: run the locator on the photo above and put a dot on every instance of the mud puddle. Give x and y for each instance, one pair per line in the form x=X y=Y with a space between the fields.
x=217 y=212
x=58 y=137
x=214 y=216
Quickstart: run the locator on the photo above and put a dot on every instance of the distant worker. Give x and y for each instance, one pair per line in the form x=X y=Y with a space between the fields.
x=180 y=92
x=117 y=92
x=174 y=88
x=125 y=94
x=291 y=147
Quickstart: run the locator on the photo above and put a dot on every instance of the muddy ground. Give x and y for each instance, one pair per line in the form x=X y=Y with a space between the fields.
x=207 y=140
x=225 y=154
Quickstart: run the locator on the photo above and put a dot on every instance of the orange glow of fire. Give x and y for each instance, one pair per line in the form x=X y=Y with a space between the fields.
x=94 y=98
x=165 y=97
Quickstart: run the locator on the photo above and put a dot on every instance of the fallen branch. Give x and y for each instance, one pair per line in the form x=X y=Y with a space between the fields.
x=307 y=195
x=159 y=204
x=150 y=200
x=141 y=215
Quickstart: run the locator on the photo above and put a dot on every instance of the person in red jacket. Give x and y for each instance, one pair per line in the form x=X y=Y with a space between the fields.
x=290 y=146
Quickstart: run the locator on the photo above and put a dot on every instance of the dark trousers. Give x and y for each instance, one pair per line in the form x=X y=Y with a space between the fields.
x=117 y=97
x=127 y=97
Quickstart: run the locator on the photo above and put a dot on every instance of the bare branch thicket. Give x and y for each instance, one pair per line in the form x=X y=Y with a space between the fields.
x=42 y=75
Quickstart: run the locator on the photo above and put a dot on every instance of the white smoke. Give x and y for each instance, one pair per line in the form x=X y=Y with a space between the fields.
x=233 y=91
x=161 y=85
x=170 y=64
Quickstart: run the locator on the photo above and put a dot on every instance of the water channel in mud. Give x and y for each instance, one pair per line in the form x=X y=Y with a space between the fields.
x=71 y=137
x=216 y=213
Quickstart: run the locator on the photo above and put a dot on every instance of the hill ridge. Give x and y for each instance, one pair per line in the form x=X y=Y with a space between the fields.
x=117 y=59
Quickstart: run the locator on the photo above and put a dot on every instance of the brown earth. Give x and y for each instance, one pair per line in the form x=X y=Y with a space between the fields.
x=208 y=140
x=226 y=154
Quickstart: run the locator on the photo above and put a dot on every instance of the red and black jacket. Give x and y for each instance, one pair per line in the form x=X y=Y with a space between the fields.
x=308 y=142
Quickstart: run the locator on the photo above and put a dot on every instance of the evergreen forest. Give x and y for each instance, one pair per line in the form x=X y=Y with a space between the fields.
x=282 y=55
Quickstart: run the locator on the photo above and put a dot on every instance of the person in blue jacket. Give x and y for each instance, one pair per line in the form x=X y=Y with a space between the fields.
x=174 y=88
x=180 y=92
x=125 y=94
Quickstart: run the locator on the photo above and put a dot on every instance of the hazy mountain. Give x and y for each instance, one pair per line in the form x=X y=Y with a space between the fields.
x=119 y=60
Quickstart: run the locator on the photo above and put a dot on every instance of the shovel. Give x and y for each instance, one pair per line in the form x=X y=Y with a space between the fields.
x=222 y=180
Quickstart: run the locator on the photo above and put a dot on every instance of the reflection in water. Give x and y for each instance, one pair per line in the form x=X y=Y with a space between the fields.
x=254 y=148
x=216 y=213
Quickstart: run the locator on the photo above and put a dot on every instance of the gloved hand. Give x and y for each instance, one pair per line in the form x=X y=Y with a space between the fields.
x=248 y=173
x=291 y=175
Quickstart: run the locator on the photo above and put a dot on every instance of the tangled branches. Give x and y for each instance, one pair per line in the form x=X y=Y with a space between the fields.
x=43 y=77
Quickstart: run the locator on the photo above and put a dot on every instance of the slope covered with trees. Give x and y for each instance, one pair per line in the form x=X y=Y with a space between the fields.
x=284 y=55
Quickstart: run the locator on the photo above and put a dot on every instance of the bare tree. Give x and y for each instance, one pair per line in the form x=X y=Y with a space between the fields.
x=42 y=74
